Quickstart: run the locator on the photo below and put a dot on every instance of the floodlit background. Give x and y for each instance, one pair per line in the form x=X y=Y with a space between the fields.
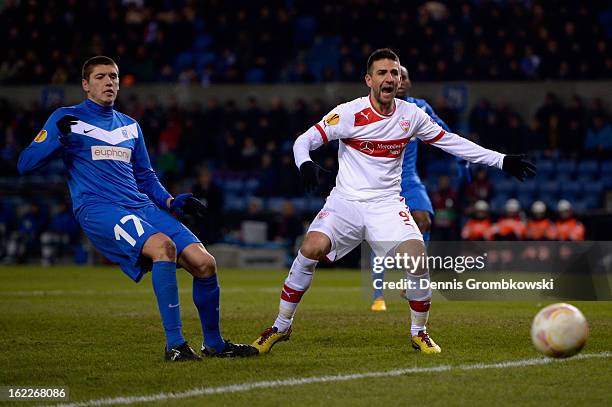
x=221 y=90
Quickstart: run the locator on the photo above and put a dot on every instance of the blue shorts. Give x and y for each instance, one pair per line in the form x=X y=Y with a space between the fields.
x=417 y=198
x=119 y=233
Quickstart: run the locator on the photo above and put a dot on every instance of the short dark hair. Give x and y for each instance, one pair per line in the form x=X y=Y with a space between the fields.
x=89 y=65
x=381 y=53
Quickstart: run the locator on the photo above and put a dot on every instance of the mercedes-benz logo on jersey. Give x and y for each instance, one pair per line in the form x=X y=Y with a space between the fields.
x=367 y=147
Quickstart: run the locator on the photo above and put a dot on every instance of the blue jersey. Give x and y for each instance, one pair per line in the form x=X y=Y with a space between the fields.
x=106 y=158
x=409 y=170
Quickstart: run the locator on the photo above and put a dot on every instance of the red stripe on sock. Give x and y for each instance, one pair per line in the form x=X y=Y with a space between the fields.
x=290 y=295
x=420 y=306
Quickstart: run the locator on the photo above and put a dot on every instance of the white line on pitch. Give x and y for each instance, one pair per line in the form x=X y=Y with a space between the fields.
x=42 y=293
x=235 y=388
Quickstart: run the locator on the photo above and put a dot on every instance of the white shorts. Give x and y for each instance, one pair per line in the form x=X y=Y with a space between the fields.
x=383 y=224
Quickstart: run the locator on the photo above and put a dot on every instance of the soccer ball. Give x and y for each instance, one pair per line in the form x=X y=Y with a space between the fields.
x=559 y=330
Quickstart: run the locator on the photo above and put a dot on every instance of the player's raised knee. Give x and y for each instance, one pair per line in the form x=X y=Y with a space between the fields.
x=168 y=249
x=206 y=266
x=315 y=246
x=160 y=247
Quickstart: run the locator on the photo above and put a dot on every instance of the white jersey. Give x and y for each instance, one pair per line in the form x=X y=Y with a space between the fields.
x=371 y=147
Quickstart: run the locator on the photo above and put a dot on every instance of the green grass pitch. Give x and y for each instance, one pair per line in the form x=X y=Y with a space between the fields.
x=95 y=331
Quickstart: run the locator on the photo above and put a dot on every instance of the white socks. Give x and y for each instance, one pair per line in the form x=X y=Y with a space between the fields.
x=420 y=301
x=296 y=283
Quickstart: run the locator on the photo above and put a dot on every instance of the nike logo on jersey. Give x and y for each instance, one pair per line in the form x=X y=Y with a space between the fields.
x=114 y=137
x=173 y=306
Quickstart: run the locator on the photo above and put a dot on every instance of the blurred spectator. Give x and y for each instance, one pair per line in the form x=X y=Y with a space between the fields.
x=443 y=201
x=599 y=137
x=254 y=225
x=327 y=180
x=510 y=226
x=168 y=163
x=249 y=154
x=26 y=238
x=62 y=236
x=548 y=118
x=576 y=123
x=268 y=176
x=540 y=227
x=288 y=226
x=206 y=190
x=451 y=118
x=568 y=227
x=9 y=153
x=479 y=227
x=530 y=63
x=480 y=187
x=7 y=222
x=479 y=120
x=289 y=184
x=517 y=137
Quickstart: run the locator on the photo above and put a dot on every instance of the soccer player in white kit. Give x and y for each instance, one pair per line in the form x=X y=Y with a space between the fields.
x=366 y=203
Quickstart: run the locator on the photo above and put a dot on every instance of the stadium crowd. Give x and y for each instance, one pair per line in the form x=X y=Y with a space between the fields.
x=242 y=166
x=258 y=140
x=304 y=41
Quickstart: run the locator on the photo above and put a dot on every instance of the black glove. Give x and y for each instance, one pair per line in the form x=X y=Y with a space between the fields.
x=187 y=204
x=64 y=126
x=195 y=207
x=309 y=171
x=518 y=166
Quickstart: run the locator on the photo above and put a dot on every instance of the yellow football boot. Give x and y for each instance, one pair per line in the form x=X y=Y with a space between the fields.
x=269 y=338
x=379 y=305
x=424 y=343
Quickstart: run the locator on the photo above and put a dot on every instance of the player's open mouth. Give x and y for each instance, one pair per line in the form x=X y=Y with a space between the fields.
x=386 y=90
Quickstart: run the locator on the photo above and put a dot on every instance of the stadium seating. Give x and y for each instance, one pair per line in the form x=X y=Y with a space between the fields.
x=196 y=38
x=588 y=169
x=546 y=168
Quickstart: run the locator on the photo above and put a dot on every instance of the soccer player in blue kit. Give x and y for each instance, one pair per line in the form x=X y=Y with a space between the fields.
x=413 y=190
x=126 y=212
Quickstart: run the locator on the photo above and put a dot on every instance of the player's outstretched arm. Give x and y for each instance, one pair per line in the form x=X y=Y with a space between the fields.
x=515 y=165
x=48 y=143
x=431 y=133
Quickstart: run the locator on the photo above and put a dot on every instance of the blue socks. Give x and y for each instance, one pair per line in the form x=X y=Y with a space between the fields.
x=206 y=300
x=166 y=291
